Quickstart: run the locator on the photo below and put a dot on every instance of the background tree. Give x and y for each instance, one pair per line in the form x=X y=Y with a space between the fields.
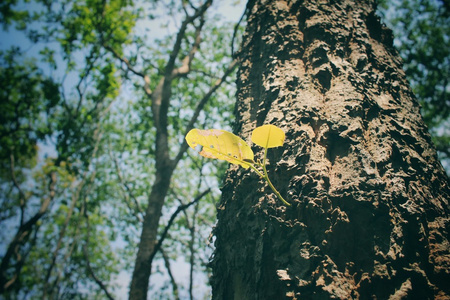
x=370 y=200
x=95 y=111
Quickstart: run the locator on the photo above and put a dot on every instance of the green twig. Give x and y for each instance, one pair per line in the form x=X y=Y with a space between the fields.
x=266 y=177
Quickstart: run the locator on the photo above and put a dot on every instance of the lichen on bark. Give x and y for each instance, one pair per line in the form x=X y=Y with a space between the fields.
x=370 y=199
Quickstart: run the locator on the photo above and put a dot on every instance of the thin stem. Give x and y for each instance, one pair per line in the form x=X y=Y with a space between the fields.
x=266 y=177
x=256 y=170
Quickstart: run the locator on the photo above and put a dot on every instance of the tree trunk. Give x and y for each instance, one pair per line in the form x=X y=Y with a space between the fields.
x=369 y=215
x=148 y=241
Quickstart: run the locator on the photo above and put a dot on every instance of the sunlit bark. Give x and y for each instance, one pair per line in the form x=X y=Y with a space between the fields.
x=370 y=213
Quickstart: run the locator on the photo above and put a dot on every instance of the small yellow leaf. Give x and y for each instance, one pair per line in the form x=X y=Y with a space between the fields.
x=268 y=136
x=221 y=144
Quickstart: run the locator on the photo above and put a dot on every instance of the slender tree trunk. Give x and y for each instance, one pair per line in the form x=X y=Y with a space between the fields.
x=165 y=165
x=369 y=215
x=148 y=240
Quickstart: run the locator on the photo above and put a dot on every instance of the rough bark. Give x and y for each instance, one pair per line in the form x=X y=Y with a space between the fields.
x=370 y=209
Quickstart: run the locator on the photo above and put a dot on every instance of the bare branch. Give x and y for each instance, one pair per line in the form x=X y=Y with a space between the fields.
x=161 y=97
x=130 y=67
x=21 y=236
x=180 y=35
x=192 y=230
x=172 y=219
x=183 y=7
x=185 y=67
x=169 y=271
x=191 y=5
x=128 y=192
x=236 y=27
x=22 y=197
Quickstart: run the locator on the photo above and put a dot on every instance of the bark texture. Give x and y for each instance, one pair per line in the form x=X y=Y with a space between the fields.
x=369 y=216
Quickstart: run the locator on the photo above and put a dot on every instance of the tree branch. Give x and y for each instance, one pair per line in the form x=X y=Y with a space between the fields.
x=21 y=236
x=62 y=233
x=130 y=67
x=172 y=219
x=22 y=197
x=201 y=104
x=169 y=271
x=89 y=67
x=236 y=27
x=128 y=192
x=86 y=256
x=161 y=103
x=192 y=230
x=75 y=196
x=170 y=66
x=185 y=67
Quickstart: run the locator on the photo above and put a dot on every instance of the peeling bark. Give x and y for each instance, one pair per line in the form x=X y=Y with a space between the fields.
x=370 y=199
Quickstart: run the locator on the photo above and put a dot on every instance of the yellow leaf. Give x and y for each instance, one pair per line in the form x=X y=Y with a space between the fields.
x=221 y=144
x=268 y=136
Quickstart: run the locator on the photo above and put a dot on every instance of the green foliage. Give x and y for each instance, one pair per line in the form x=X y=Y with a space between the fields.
x=8 y=14
x=28 y=101
x=40 y=117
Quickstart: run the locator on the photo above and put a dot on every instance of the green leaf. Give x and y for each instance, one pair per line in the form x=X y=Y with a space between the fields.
x=268 y=136
x=221 y=144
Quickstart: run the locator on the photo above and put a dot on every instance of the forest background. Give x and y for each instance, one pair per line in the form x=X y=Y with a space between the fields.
x=79 y=137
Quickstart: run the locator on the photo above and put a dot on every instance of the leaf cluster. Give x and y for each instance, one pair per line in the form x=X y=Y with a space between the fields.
x=224 y=145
